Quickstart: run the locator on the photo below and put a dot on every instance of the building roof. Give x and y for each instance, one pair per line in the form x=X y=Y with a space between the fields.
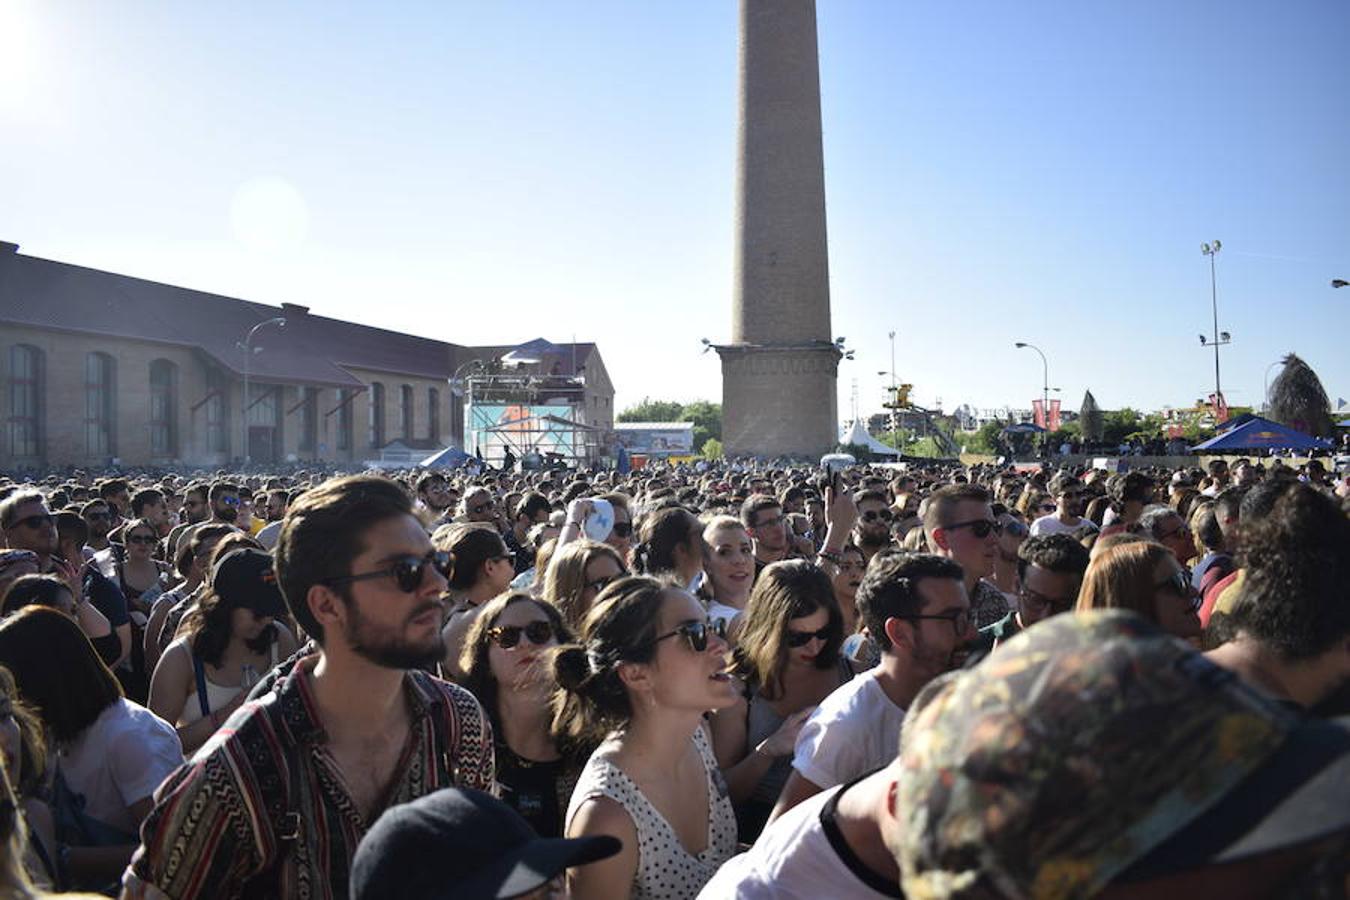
x=310 y=349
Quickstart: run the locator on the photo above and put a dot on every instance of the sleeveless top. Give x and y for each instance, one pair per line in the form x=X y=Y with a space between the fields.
x=761 y=722
x=208 y=695
x=666 y=871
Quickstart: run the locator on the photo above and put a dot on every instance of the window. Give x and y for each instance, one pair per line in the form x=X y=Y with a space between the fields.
x=344 y=422
x=405 y=412
x=377 y=415
x=163 y=408
x=26 y=392
x=434 y=414
x=217 y=413
x=100 y=393
x=309 y=421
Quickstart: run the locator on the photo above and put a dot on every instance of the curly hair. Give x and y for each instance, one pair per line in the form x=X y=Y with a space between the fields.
x=1296 y=590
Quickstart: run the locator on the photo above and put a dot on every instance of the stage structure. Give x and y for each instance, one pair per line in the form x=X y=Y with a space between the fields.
x=537 y=417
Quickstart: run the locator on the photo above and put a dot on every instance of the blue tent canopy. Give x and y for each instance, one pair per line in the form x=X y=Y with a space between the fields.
x=1235 y=422
x=1024 y=428
x=449 y=458
x=1263 y=434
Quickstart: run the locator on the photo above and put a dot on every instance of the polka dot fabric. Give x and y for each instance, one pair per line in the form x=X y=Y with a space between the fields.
x=666 y=871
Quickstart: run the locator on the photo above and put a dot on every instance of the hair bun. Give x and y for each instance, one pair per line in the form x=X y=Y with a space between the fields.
x=571 y=667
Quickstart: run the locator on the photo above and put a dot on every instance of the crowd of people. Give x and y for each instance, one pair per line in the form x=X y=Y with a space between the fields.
x=730 y=680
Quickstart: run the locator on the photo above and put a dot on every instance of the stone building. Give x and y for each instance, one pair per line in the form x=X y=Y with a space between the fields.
x=99 y=367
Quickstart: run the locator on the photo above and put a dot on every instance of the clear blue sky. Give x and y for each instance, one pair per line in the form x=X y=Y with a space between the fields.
x=487 y=172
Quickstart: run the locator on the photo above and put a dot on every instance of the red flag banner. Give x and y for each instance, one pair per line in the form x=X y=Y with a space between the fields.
x=1038 y=413
x=1054 y=416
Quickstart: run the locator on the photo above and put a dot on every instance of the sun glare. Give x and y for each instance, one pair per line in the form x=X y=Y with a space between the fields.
x=268 y=215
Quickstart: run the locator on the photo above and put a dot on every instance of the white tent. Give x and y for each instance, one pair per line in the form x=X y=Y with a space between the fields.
x=857 y=434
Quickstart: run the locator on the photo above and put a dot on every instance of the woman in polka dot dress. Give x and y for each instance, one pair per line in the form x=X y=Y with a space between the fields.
x=648 y=667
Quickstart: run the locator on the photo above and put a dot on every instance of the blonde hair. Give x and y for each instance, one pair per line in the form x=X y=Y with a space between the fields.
x=1123 y=576
x=565 y=578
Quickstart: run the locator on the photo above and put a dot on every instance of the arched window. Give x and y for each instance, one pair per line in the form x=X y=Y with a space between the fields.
x=405 y=412
x=163 y=408
x=434 y=414
x=100 y=398
x=309 y=420
x=377 y=415
x=217 y=412
x=26 y=395
x=344 y=422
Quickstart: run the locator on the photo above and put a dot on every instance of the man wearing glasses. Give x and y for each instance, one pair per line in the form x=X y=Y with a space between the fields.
x=278 y=800
x=915 y=608
x=1050 y=571
x=763 y=517
x=1070 y=500
x=960 y=525
x=479 y=506
x=98 y=517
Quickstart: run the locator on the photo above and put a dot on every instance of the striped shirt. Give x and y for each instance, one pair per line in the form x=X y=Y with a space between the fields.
x=261 y=810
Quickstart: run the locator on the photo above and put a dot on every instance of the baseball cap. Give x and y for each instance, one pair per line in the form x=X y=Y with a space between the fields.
x=247 y=578
x=1093 y=748
x=462 y=844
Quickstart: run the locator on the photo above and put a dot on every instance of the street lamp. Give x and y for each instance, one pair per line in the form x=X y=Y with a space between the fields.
x=462 y=389
x=1045 y=381
x=1265 y=394
x=247 y=346
x=1220 y=338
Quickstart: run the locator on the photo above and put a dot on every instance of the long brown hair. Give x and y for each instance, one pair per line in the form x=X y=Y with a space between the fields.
x=785 y=590
x=565 y=578
x=1124 y=577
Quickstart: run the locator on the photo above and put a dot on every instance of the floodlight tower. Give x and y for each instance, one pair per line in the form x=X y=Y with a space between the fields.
x=1219 y=338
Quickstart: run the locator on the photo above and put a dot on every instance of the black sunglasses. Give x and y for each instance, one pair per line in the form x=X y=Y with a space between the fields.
x=802 y=638
x=41 y=520
x=143 y=539
x=981 y=528
x=873 y=514
x=696 y=633
x=475 y=510
x=622 y=529
x=407 y=571
x=507 y=637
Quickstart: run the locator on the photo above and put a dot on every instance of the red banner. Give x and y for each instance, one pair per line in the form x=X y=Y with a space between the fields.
x=1038 y=413
x=1054 y=416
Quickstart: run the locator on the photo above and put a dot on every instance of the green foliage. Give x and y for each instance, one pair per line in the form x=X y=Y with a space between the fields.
x=1090 y=415
x=1297 y=399
x=706 y=416
x=983 y=439
x=712 y=449
x=650 y=410
x=859 y=452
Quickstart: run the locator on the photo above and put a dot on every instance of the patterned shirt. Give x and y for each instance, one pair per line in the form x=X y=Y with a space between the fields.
x=987 y=604
x=261 y=810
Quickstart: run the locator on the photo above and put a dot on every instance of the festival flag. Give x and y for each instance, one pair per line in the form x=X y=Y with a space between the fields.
x=1054 y=416
x=1038 y=413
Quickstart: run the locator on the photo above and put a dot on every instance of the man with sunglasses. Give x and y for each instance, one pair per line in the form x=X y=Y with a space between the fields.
x=872 y=530
x=98 y=517
x=280 y=797
x=960 y=525
x=478 y=505
x=1070 y=500
x=224 y=500
x=915 y=609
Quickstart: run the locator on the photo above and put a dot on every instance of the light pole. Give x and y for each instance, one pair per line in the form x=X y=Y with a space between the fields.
x=1220 y=338
x=1045 y=381
x=249 y=350
x=895 y=410
x=463 y=391
x=1265 y=394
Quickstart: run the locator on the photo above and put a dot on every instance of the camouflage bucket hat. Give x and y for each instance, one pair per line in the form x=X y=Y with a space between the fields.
x=1068 y=755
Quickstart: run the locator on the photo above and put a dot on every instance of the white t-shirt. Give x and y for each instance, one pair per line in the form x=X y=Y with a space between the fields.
x=120 y=759
x=1052 y=525
x=854 y=730
x=795 y=859
x=268 y=535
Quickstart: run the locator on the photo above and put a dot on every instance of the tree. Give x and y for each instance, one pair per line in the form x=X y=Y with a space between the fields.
x=706 y=416
x=1298 y=400
x=712 y=449
x=650 y=410
x=1090 y=415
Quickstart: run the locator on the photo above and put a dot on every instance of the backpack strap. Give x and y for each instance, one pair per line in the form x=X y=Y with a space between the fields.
x=199 y=671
